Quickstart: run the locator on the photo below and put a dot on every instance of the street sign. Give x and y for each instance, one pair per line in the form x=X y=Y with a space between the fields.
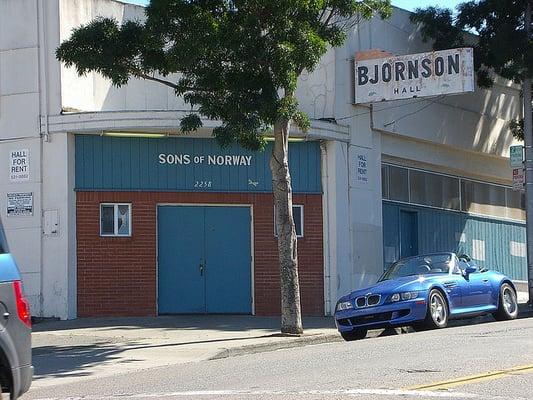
x=516 y=156
x=414 y=75
x=518 y=179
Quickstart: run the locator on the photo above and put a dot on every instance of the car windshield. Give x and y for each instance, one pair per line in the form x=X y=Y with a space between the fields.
x=422 y=265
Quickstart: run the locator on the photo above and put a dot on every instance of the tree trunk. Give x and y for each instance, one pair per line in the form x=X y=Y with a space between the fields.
x=291 y=315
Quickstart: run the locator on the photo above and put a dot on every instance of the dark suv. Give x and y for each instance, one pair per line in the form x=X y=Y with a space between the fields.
x=15 y=327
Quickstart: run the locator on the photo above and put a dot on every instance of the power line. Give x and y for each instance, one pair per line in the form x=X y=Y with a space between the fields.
x=416 y=111
x=17 y=139
x=418 y=100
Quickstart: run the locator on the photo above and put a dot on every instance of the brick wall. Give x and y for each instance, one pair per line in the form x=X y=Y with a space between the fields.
x=117 y=276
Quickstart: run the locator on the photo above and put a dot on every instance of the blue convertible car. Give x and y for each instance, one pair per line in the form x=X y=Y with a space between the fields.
x=425 y=292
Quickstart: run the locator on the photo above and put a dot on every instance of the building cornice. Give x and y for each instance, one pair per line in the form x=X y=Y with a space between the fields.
x=164 y=121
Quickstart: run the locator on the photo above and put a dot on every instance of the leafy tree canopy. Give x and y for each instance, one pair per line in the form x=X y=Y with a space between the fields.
x=499 y=39
x=238 y=61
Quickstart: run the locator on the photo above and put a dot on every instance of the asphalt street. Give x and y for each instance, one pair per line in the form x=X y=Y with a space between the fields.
x=485 y=361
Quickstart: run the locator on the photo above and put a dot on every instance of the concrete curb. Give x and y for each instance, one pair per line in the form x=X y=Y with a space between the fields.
x=287 y=342
x=525 y=311
x=282 y=343
x=291 y=342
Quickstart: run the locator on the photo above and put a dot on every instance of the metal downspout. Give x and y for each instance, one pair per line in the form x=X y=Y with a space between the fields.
x=43 y=117
x=325 y=230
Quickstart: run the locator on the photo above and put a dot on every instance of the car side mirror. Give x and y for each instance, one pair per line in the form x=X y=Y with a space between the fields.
x=469 y=270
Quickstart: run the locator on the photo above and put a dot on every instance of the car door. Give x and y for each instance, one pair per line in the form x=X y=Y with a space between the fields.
x=479 y=290
x=454 y=285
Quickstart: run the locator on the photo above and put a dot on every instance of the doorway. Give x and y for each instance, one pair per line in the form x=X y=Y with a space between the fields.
x=204 y=260
x=408 y=234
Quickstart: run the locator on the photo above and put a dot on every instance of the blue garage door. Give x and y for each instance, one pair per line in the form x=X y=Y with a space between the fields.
x=204 y=260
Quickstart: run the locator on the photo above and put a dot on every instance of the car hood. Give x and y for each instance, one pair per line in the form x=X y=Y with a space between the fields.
x=403 y=284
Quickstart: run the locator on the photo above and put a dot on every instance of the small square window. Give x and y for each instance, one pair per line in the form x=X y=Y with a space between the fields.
x=115 y=219
x=298 y=216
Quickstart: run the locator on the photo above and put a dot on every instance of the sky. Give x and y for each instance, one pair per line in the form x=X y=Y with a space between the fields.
x=405 y=4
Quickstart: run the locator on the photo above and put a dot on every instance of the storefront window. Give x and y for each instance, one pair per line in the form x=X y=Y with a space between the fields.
x=516 y=204
x=451 y=193
x=434 y=190
x=385 y=181
x=482 y=198
x=398 y=184
x=115 y=220
x=298 y=216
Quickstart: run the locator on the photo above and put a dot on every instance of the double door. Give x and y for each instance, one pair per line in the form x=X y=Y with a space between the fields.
x=204 y=260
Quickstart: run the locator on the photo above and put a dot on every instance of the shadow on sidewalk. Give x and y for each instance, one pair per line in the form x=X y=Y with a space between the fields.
x=61 y=361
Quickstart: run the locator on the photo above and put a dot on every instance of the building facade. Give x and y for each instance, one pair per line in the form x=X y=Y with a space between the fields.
x=111 y=211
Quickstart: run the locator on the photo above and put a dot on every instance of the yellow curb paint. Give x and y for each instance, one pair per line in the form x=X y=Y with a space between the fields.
x=466 y=380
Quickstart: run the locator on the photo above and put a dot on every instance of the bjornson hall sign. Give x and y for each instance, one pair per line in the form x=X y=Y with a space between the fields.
x=414 y=75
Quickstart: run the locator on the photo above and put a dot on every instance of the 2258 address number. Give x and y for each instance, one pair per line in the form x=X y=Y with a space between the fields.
x=203 y=184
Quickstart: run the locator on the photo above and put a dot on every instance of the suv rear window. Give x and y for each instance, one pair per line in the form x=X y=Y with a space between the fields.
x=3 y=241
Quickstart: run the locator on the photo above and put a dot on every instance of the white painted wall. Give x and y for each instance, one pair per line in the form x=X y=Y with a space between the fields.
x=59 y=249
x=29 y=92
x=338 y=256
x=316 y=89
x=98 y=93
x=19 y=129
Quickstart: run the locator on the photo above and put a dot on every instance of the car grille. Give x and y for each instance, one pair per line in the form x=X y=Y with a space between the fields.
x=368 y=300
x=373 y=299
x=360 y=301
x=367 y=319
x=373 y=318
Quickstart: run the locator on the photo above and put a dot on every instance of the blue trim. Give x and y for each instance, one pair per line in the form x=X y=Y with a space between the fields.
x=142 y=164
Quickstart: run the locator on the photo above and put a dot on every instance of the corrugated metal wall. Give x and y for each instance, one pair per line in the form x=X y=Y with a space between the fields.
x=493 y=243
x=110 y=163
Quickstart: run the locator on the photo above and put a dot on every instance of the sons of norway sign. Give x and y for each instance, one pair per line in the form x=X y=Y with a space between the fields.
x=414 y=75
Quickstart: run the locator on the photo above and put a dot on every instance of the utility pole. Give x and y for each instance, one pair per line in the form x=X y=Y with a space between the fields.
x=528 y=141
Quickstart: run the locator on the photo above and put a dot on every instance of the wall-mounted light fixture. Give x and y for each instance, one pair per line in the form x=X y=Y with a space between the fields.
x=135 y=134
x=291 y=139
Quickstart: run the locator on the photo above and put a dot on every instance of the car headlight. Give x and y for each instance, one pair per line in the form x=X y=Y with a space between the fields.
x=409 y=295
x=395 y=297
x=403 y=296
x=345 y=305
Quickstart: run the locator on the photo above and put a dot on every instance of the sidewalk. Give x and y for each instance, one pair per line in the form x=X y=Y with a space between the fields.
x=64 y=351
x=67 y=351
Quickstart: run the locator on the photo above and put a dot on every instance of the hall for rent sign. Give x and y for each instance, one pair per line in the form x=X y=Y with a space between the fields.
x=414 y=75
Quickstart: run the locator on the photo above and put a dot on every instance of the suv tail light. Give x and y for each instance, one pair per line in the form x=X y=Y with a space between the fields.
x=23 y=307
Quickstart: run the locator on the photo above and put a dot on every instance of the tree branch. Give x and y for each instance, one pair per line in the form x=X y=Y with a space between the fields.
x=164 y=82
x=331 y=13
x=172 y=85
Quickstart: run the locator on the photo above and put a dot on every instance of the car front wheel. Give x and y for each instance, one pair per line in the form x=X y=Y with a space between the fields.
x=437 y=312
x=356 y=334
x=508 y=305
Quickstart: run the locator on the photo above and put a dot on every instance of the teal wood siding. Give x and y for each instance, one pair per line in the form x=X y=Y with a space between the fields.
x=440 y=230
x=124 y=164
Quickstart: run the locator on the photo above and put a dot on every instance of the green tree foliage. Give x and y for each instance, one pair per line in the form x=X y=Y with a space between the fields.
x=497 y=34
x=237 y=61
